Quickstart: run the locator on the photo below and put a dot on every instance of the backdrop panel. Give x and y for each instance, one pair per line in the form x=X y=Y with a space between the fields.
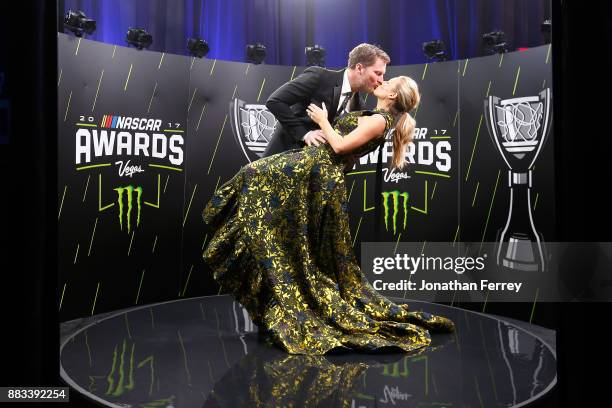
x=485 y=199
x=121 y=179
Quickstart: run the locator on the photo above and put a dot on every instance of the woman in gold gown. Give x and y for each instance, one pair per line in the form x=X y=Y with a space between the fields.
x=282 y=244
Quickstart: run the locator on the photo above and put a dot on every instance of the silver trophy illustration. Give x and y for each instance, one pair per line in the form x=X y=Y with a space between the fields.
x=253 y=126
x=519 y=128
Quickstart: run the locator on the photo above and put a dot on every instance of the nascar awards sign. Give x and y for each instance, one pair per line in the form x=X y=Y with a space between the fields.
x=127 y=136
x=122 y=124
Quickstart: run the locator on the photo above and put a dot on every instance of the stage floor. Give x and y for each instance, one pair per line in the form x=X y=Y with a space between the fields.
x=205 y=352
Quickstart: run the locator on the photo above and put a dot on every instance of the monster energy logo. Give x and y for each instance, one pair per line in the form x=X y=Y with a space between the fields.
x=118 y=386
x=395 y=195
x=129 y=190
x=121 y=378
x=393 y=369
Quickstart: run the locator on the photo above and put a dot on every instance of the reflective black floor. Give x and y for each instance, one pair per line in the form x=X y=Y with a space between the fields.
x=204 y=352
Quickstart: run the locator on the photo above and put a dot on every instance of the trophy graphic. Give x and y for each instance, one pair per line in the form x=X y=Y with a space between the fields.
x=519 y=128
x=253 y=126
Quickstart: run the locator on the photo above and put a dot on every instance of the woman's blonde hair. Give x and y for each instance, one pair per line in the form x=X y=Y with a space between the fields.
x=408 y=98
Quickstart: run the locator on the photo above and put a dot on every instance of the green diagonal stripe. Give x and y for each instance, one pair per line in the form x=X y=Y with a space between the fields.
x=93 y=166
x=165 y=167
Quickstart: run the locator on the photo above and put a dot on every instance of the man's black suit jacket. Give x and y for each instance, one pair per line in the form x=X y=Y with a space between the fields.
x=289 y=102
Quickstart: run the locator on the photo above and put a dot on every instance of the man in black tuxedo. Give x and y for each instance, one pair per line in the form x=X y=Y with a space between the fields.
x=339 y=90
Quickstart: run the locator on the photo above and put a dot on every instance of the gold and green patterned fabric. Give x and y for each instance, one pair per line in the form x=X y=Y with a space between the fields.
x=282 y=247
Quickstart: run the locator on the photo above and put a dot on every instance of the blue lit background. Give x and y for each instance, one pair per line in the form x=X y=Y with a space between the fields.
x=287 y=26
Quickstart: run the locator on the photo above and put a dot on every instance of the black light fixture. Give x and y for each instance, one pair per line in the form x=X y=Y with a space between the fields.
x=315 y=55
x=494 y=43
x=78 y=23
x=546 y=29
x=139 y=38
x=197 y=47
x=435 y=50
x=255 y=53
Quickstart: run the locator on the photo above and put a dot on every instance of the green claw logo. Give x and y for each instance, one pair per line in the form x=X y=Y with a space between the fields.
x=129 y=190
x=395 y=195
x=393 y=369
x=122 y=377
x=125 y=381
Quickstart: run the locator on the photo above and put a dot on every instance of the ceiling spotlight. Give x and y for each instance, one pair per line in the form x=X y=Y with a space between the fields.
x=315 y=56
x=139 y=38
x=255 y=53
x=494 y=43
x=197 y=47
x=78 y=23
x=435 y=50
x=546 y=29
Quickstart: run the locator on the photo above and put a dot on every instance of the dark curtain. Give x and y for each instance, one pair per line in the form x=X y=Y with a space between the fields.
x=28 y=204
x=581 y=70
x=286 y=27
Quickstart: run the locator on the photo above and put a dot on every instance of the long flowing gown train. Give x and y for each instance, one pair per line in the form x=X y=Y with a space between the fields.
x=282 y=247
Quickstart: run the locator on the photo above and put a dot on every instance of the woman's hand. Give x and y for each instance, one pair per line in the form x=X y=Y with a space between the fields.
x=318 y=115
